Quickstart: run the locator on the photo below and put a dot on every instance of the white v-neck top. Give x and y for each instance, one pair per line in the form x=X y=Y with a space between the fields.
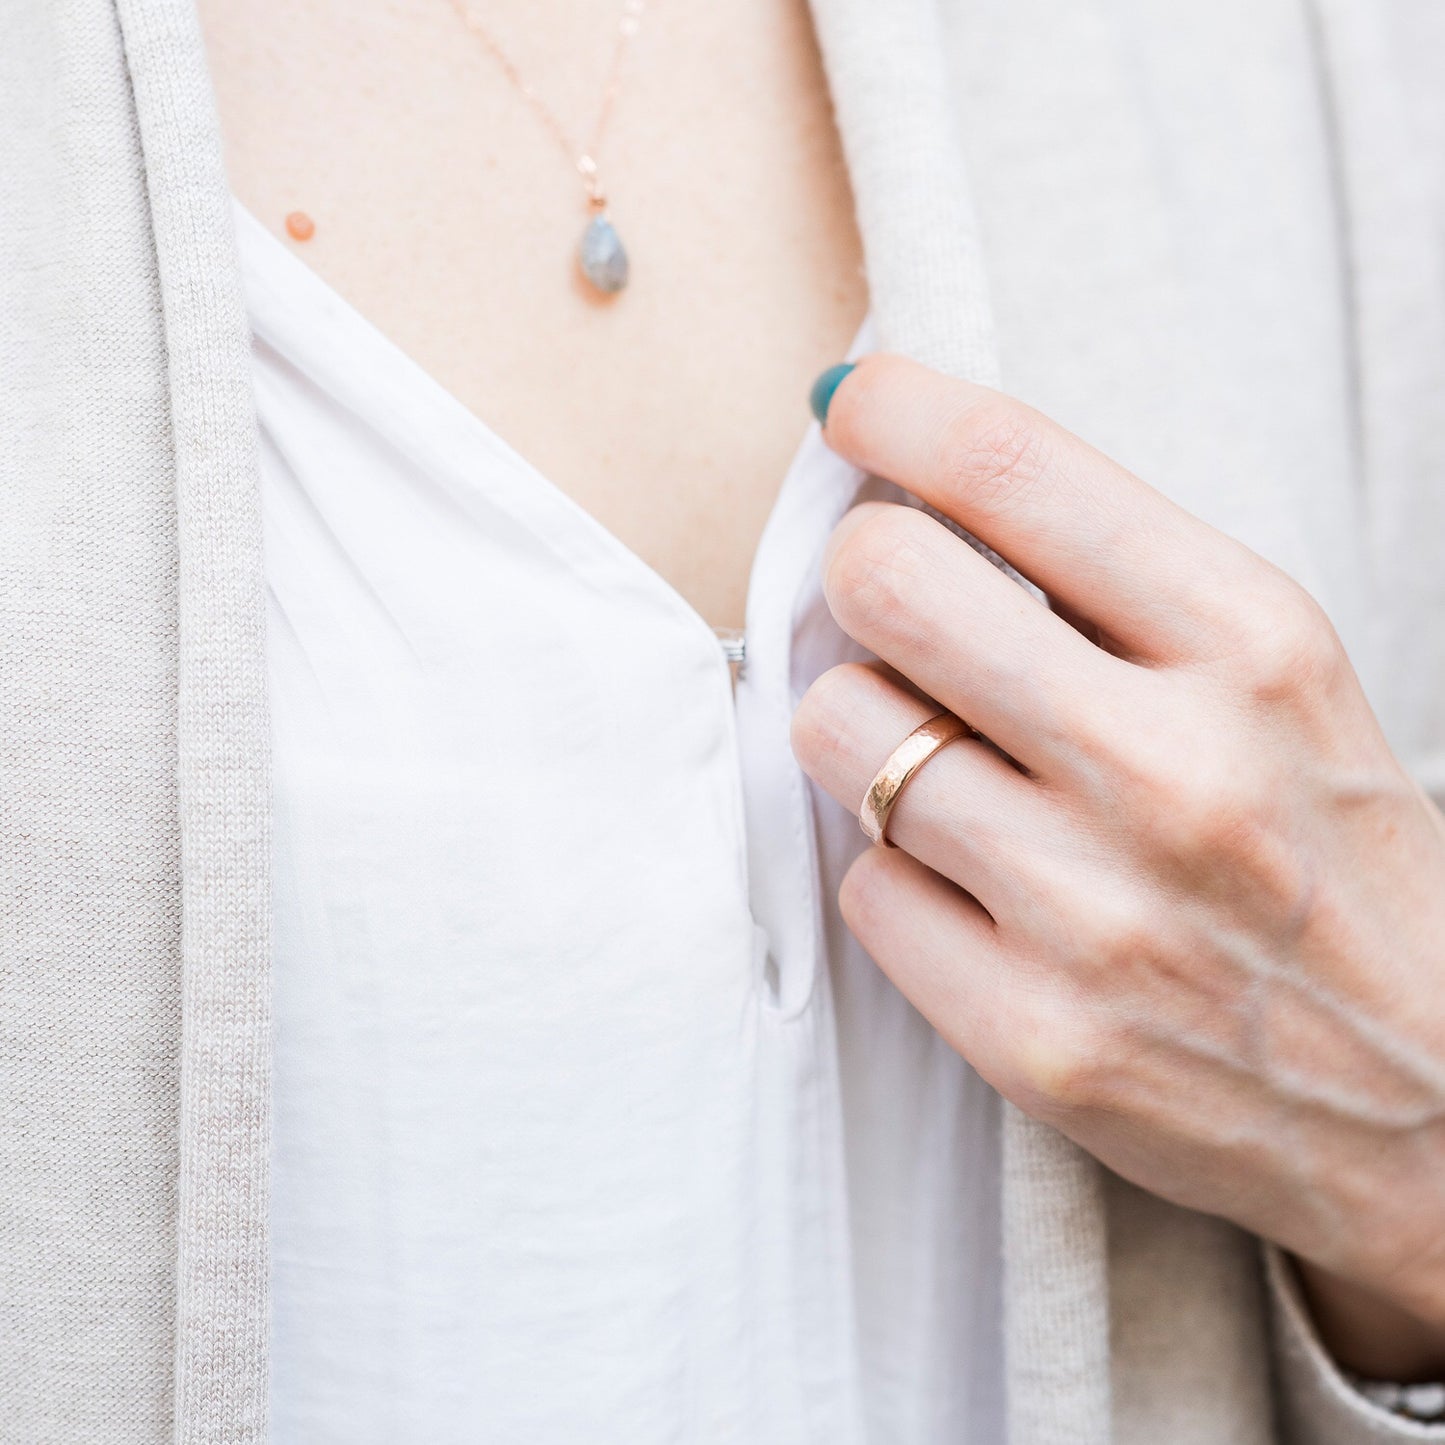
x=591 y=1121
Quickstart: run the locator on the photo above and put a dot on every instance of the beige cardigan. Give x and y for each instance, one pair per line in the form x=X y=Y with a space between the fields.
x=133 y=736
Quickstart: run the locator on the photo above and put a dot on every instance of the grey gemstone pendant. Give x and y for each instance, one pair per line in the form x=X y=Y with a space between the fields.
x=602 y=256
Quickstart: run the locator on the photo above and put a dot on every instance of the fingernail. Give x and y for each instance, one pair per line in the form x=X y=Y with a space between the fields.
x=821 y=396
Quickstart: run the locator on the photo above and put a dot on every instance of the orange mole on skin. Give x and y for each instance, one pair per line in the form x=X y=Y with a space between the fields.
x=300 y=226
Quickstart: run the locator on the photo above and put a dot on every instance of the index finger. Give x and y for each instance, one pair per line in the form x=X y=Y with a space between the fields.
x=1105 y=544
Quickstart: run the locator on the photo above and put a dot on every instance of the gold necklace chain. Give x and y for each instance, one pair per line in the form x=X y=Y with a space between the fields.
x=601 y=254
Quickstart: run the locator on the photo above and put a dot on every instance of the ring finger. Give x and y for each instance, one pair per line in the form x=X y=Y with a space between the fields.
x=967 y=813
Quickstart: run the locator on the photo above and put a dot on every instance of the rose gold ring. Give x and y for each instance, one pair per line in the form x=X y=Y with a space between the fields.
x=901 y=764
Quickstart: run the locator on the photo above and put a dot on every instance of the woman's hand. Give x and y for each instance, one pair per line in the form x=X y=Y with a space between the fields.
x=1198 y=922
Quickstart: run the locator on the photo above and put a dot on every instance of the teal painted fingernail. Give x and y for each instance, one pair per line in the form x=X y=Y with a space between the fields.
x=821 y=396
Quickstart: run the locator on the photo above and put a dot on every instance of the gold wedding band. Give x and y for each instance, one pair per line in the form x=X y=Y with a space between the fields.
x=901 y=764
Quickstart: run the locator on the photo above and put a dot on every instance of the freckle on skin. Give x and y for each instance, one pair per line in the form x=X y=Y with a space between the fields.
x=300 y=226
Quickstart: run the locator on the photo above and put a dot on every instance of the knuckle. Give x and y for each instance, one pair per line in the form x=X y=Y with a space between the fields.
x=1219 y=824
x=874 y=573
x=1190 y=812
x=1184 y=789
x=1064 y=1063
x=1202 y=822
x=1216 y=825
x=995 y=451
x=1289 y=650
x=1231 y=839
x=1277 y=879
x=1115 y=939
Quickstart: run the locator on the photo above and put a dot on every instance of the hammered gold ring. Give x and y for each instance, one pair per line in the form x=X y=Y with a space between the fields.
x=900 y=766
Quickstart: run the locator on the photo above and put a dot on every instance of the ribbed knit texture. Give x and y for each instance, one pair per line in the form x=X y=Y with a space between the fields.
x=891 y=97
x=1056 y=1309
x=223 y=744
x=90 y=903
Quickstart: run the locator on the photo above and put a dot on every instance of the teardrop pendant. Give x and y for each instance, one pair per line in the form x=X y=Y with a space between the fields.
x=602 y=256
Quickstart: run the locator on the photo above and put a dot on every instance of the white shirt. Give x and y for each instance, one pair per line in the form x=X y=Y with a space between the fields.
x=563 y=1148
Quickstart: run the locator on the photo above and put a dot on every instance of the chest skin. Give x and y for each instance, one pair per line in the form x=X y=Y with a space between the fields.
x=449 y=217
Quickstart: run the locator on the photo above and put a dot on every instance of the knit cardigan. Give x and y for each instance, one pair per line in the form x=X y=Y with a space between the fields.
x=134 y=830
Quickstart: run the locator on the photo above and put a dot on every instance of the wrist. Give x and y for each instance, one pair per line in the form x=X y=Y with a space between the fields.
x=1369 y=1335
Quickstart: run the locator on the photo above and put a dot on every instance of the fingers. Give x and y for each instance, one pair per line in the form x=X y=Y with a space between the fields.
x=1088 y=532
x=967 y=912
x=939 y=948
x=965 y=813
x=908 y=589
